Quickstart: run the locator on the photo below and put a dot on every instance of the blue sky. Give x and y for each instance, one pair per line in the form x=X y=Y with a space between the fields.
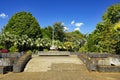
x=80 y=15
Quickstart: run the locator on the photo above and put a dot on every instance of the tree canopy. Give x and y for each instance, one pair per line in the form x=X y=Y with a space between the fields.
x=105 y=38
x=23 y=23
x=23 y=33
x=59 y=33
x=112 y=15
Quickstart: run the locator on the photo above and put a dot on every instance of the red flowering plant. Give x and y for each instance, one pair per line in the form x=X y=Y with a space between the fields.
x=4 y=51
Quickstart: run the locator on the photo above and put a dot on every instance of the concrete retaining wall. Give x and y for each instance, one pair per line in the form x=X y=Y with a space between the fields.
x=98 y=55
x=92 y=62
x=2 y=70
x=108 y=68
x=19 y=66
x=89 y=62
x=9 y=55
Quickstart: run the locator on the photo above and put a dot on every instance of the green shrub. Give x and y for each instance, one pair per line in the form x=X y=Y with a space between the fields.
x=45 y=50
x=35 y=50
x=29 y=52
x=82 y=49
x=13 y=49
x=1 y=47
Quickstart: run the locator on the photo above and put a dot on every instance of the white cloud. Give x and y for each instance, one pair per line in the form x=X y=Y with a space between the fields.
x=78 y=24
x=72 y=22
x=66 y=28
x=3 y=15
x=77 y=29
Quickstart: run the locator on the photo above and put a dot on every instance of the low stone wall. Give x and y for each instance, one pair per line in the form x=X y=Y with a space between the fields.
x=92 y=62
x=12 y=58
x=7 y=60
x=98 y=55
x=108 y=68
x=2 y=70
x=89 y=62
x=19 y=66
x=54 y=53
x=9 y=55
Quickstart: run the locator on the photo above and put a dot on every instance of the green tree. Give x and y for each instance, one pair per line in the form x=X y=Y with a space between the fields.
x=112 y=15
x=68 y=46
x=23 y=23
x=46 y=43
x=38 y=43
x=101 y=39
x=105 y=38
x=59 y=33
x=117 y=27
x=117 y=37
x=7 y=40
x=73 y=36
x=47 y=32
x=77 y=38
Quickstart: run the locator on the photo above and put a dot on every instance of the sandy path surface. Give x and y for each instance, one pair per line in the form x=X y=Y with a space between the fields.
x=44 y=63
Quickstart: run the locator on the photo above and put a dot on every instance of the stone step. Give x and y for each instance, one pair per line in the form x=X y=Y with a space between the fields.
x=68 y=67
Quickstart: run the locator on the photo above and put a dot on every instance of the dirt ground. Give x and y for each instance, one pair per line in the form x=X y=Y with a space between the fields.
x=58 y=68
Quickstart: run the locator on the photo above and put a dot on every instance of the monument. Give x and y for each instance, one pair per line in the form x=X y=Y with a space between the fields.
x=53 y=47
